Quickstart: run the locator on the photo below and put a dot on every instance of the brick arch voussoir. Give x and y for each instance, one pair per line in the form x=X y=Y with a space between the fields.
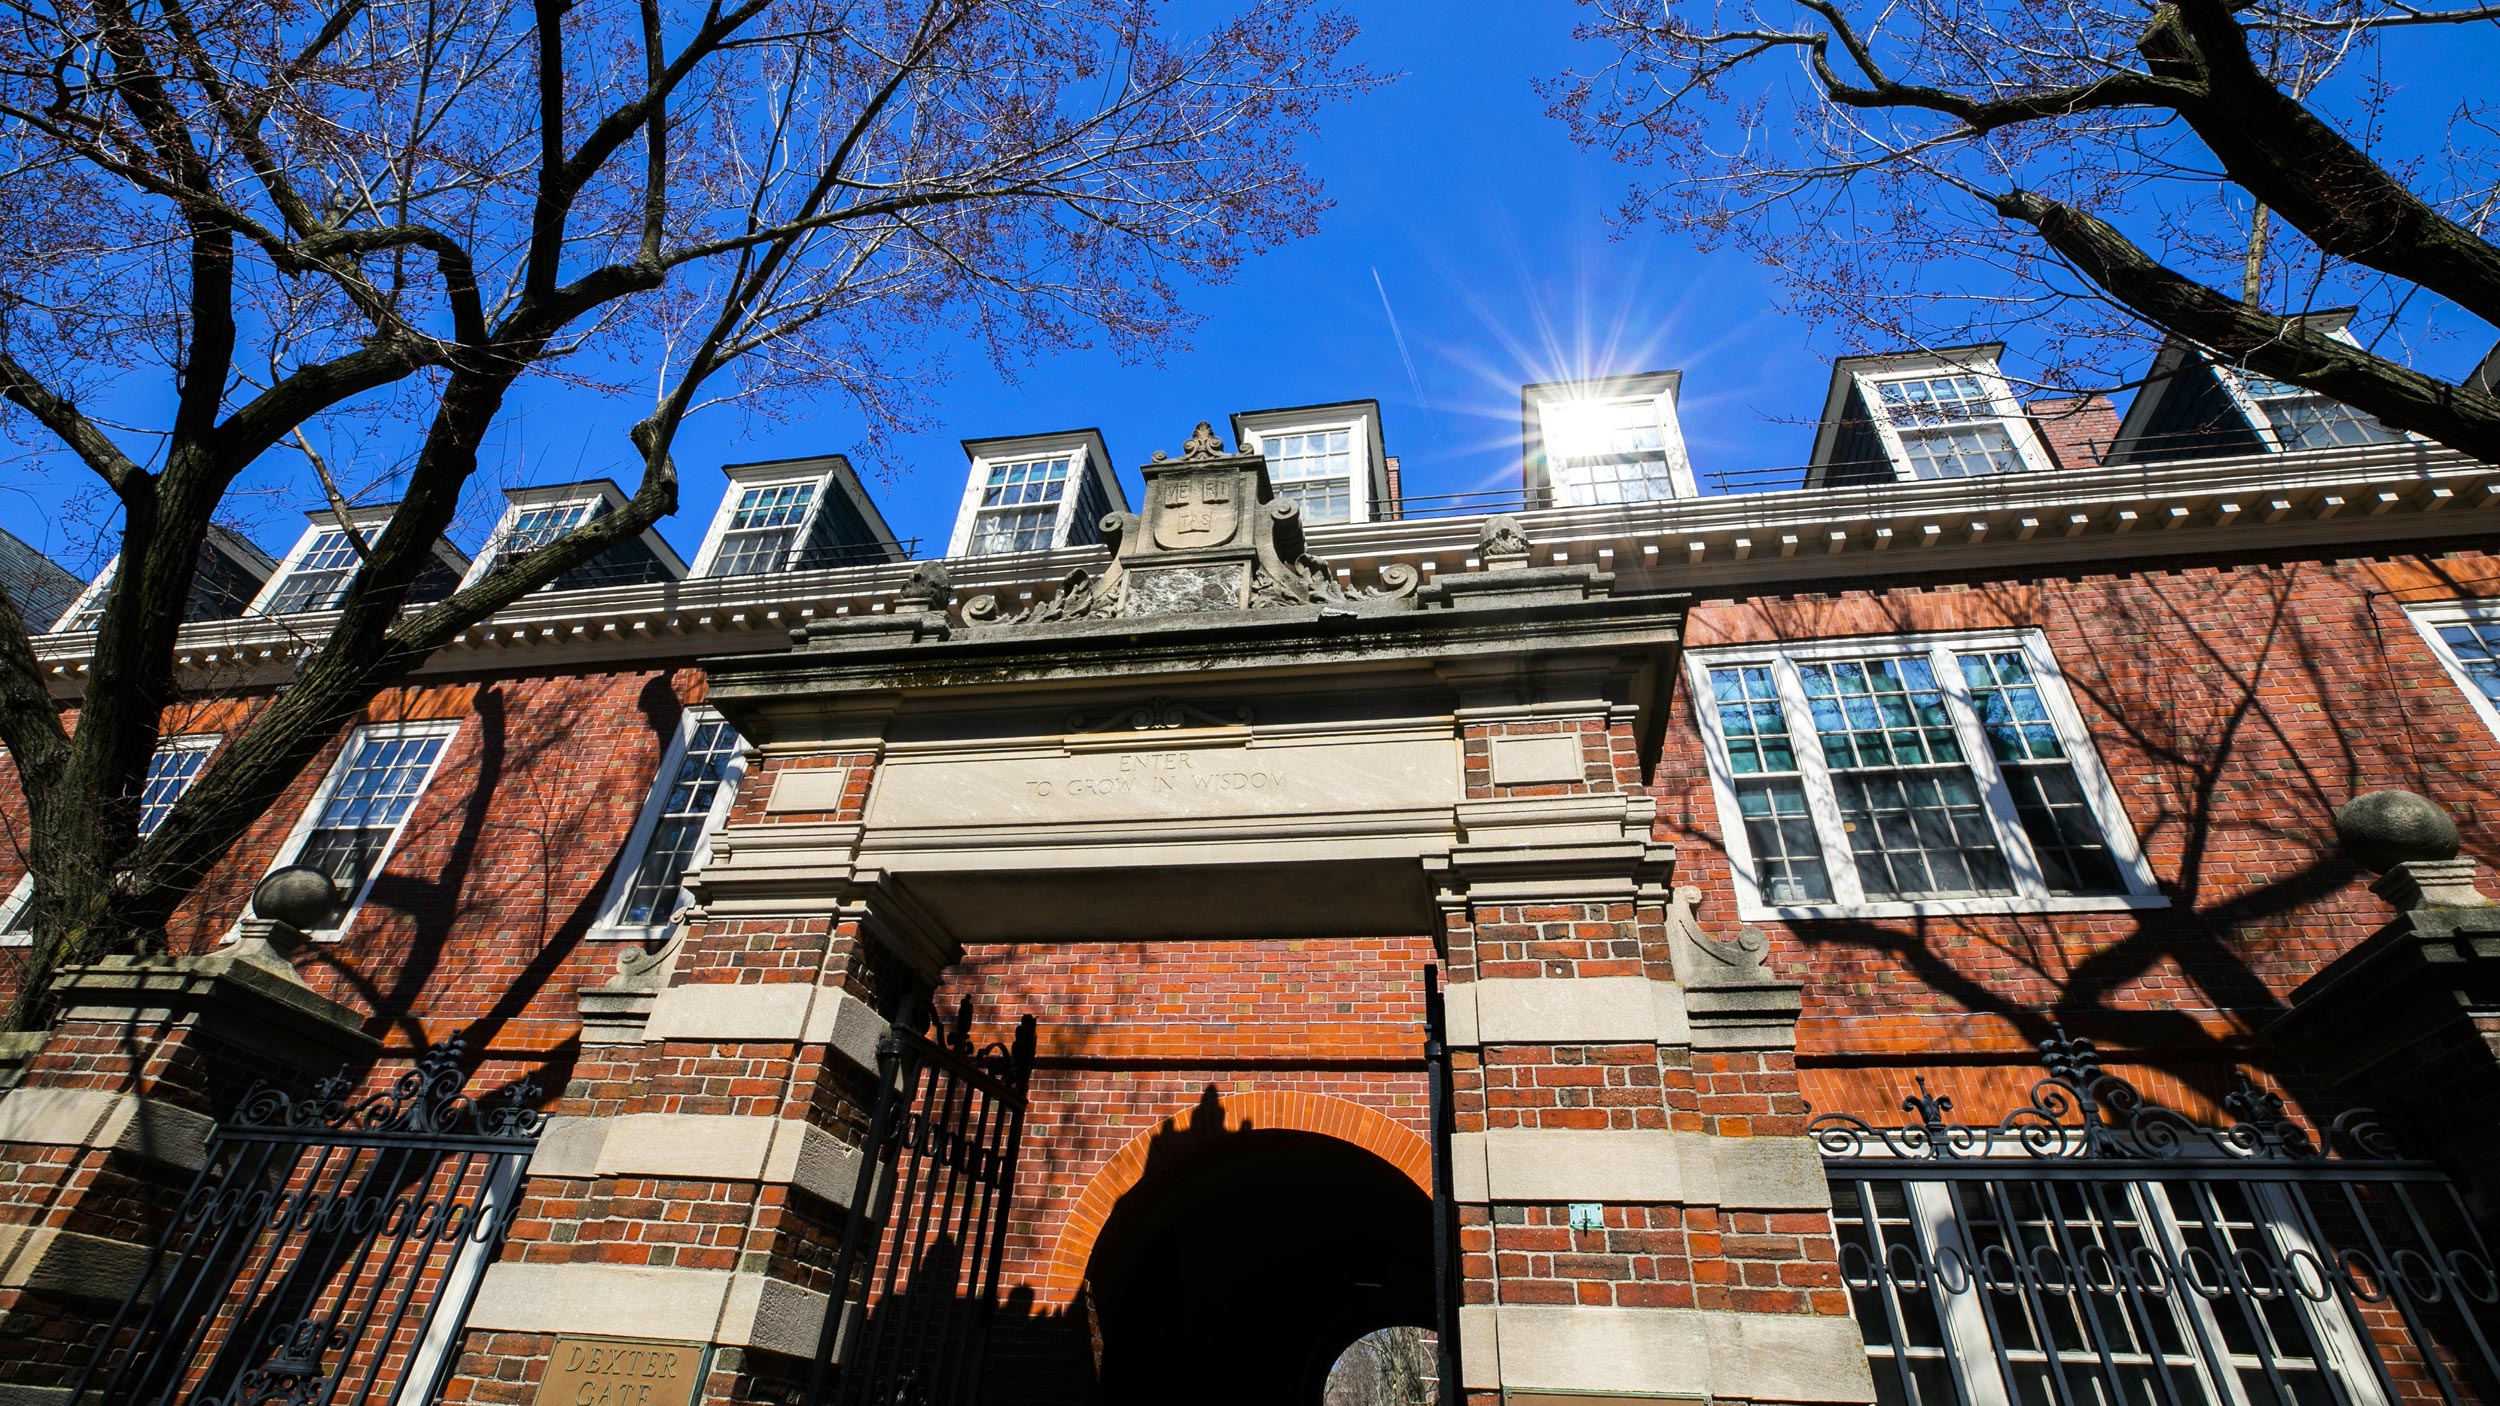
x=1270 y=1110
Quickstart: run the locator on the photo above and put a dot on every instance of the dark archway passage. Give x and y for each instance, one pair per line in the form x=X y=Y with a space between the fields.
x=1244 y=1262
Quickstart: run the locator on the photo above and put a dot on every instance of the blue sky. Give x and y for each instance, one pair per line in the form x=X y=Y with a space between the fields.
x=1469 y=252
x=1466 y=221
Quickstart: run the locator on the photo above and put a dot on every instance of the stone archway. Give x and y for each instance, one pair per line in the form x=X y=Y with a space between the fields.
x=1234 y=1252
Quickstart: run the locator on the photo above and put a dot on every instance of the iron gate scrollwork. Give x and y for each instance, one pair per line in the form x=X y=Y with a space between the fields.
x=2095 y=1247
x=328 y=1249
x=915 y=1282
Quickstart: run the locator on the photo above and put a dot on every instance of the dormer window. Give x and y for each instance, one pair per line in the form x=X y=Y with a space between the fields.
x=2295 y=418
x=1034 y=493
x=794 y=515
x=540 y=515
x=1948 y=427
x=1019 y=507
x=1921 y=417
x=1608 y=441
x=232 y=571
x=1323 y=459
x=317 y=574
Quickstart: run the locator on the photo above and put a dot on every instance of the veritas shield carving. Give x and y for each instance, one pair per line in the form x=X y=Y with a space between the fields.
x=1196 y=510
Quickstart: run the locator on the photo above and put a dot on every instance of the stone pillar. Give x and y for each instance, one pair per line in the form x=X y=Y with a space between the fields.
x=2408 y=1021
x=692 y=1186
x=1642 y=1215
x=109 y=1119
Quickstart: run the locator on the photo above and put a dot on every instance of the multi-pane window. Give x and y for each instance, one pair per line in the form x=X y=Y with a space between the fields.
x=2064 y=835
x=1944 y=1329
x=1909 y=772
x=2466 y=637
x=1607 y=451
x=1019 y=508
x=686 y=803
x=2303 y=419
x=176 y=763
x=358 y=816
x=533 y=528
x=762 y=528
x=1770 y=791
x=1949 y=427
x=319 y=577
x=1314 y=470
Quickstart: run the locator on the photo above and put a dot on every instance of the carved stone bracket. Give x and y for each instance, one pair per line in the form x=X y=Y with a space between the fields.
x=1732 y=996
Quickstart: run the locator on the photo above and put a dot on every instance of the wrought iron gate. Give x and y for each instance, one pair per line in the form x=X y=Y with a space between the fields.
x=328 y=1249
x=1446 y=1265
x=916 y=1278
x=2096 y=1248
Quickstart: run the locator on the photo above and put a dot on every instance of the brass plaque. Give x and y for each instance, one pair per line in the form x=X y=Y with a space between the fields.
x=620 y=1372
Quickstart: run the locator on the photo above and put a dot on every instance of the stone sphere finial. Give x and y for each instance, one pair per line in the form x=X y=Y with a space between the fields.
x=2382 y=829
x=297 y=898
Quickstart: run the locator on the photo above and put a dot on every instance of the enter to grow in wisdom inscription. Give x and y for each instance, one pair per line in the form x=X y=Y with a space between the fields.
x=1147 y=783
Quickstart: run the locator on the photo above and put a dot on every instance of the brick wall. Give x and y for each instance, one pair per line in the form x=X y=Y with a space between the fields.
x=2234 y=705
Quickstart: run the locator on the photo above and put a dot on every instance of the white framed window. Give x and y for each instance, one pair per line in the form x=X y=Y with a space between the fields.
x=1313 y=470
x=765 y=521
x=1950 y=423
x=1019 y=508
x=176 y=763
x=1907 y=776
x=357 y=817
x=1925 y=1264
x=1326 y=460
x=1607 y=451
x=317 y=574
x=1033 y=493
x=532 y=527
x=2293 y=418
x=2465 y=635
x=690 y=798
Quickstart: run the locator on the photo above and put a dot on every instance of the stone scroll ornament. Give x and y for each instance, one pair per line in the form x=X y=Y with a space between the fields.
x=1213 y=536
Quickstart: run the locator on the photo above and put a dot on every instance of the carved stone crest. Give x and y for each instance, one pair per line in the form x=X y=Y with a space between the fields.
x=1196 y=510
x=1213 y=536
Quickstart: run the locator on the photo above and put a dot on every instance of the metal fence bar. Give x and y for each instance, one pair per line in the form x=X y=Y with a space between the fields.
x=307 y=1216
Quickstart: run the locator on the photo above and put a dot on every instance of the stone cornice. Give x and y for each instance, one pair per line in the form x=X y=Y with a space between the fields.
x=1732 y=543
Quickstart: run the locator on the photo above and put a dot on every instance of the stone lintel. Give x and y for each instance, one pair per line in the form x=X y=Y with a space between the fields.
x=1595 y=1010
x=700 y=1147
x=696 y=1305
x=1638 y=1167
x=777 y=1013
x=123 y=1122
x=1589 y=1351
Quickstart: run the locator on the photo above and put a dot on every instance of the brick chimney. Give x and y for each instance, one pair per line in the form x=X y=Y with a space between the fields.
x=2078 y=429
x=1393 y=506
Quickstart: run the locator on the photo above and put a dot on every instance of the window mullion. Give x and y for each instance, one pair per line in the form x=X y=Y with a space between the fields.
x=1840 y=864
x=2020 y=861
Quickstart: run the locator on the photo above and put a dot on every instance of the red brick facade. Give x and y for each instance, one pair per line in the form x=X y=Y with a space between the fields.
x=2234 y=702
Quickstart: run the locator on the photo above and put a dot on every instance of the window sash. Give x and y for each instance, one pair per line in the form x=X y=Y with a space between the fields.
x=355 y=822
x=2305 y=420
x=2016 y=837
x=320 y=575
x=689 y=798
x=172 y=767
x=761 y=526
x=1313 y=470
x=1014 y=529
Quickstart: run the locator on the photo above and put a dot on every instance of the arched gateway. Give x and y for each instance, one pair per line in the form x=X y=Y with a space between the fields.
x=1209 y=816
